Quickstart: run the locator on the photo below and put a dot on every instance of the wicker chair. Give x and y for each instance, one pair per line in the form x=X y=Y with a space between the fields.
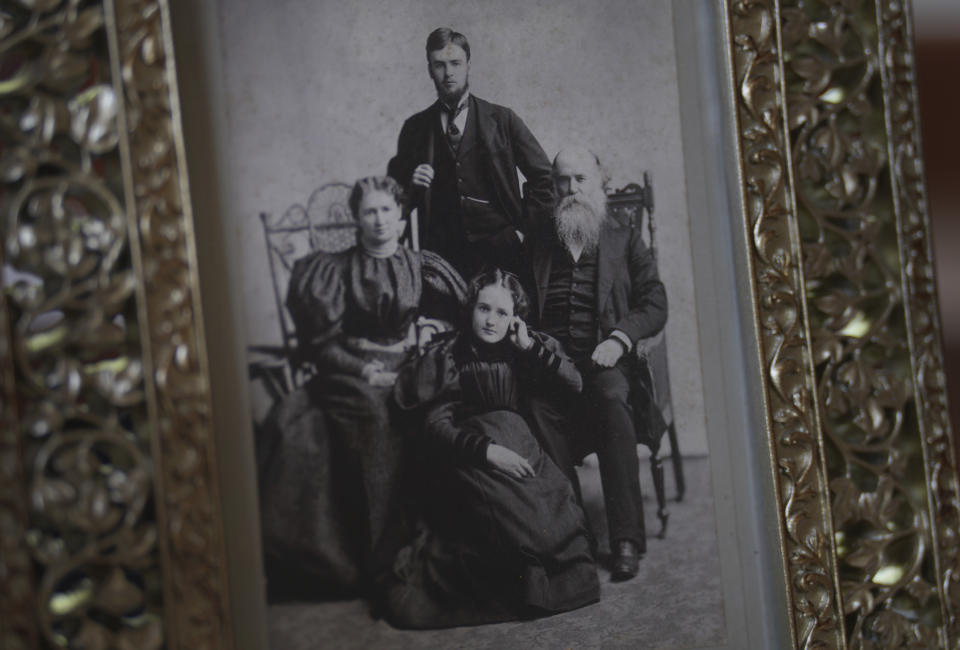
x=324 y=224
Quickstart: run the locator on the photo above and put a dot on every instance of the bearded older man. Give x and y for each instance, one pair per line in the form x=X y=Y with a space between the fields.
x=598 y=293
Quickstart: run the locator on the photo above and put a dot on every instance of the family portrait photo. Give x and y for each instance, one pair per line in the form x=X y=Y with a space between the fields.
x=464 y=253
x=402 y=324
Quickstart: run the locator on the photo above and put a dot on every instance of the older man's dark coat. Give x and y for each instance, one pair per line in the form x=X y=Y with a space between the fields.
x=630 y=296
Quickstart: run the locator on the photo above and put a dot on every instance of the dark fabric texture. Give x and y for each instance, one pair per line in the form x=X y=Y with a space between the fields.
x=491 y=547
x=616 y=410
x=444 y=290
x=605 y=409
x=569 y=307
x=629 y=294
x=354 y=293
x=496 y=143
x=331 y=455
x=306 y=505
x=331 y=462
x=467 y=220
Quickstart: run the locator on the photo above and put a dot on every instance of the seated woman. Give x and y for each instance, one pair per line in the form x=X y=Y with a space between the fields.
x=503 y=535
x=330 y=462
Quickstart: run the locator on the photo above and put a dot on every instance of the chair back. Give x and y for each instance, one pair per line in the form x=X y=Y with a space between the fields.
x=632 y=206
x=628 y=205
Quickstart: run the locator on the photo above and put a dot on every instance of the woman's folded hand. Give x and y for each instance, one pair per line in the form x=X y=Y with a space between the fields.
x=509 y=462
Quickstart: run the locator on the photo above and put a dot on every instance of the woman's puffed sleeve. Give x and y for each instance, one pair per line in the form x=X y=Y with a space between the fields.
x=444 y=291
x=316 y=298
x=432 y=383
x=430 y=377
x=464 y=445
x=546 y=357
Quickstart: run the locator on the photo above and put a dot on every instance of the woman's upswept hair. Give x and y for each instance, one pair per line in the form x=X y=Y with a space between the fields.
x=500 y=278
x=373 y=184
x=442 y=37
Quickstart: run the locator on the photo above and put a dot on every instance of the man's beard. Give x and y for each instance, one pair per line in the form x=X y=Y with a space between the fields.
x=578 y=219
x=451 y=97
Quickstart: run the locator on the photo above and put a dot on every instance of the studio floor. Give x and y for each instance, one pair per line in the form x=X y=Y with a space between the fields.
x=674 y=602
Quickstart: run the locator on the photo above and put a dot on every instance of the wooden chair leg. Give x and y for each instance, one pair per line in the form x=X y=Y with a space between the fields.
x=677 y=461
x=656 y=468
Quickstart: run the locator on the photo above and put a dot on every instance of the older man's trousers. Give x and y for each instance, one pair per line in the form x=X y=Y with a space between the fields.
x=601 y=420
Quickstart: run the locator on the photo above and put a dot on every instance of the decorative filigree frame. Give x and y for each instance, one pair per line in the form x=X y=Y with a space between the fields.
x=111 y=523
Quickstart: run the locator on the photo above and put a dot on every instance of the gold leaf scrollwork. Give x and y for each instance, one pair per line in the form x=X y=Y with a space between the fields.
x=82 y=554
x=849 y=140
x=74 y=413
x=775 y=261
x=837 y=76
x=196 y=573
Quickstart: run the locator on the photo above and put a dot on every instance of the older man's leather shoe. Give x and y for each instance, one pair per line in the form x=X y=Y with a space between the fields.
x=626 y=561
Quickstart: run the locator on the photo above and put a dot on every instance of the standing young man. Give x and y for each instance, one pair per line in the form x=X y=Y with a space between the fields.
x=458 y=160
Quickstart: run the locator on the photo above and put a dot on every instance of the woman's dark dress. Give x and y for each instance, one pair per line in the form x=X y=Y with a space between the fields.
x=492 y=547
x=330 y=457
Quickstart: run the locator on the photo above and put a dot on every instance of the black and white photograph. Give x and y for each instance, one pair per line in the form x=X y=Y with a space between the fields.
x=464 y=251
x=411 y=324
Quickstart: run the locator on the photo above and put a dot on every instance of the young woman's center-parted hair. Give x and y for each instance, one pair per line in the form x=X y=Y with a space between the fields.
x=500 y=278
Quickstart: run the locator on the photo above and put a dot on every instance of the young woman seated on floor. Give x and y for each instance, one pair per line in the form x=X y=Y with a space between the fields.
x=503 y=535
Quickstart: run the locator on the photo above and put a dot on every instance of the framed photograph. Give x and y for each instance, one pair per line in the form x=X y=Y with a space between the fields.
x=257 y=394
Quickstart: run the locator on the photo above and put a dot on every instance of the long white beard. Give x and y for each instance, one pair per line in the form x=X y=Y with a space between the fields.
x=578 y=220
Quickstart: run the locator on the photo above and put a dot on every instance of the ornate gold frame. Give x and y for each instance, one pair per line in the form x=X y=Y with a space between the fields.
x=109 y=494
x=846 y=310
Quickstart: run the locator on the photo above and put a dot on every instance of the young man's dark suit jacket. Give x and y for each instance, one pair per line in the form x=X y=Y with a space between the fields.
x=629 y=298
x=507 y=145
